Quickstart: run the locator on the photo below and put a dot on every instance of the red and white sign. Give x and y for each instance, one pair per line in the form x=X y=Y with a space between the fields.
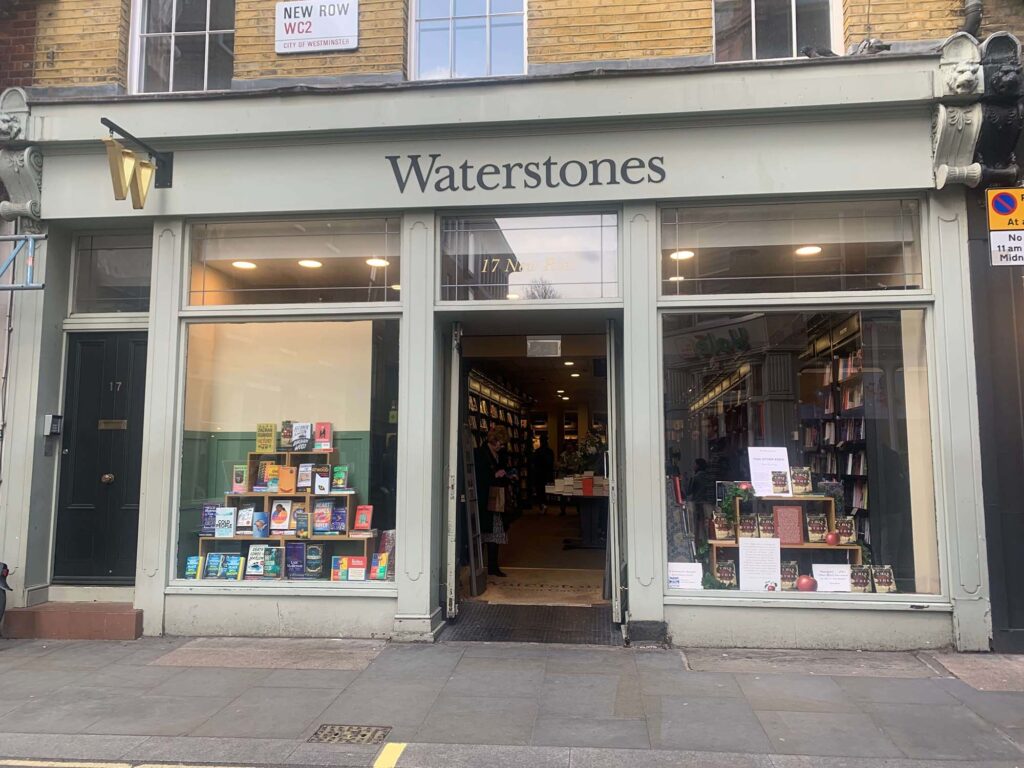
x=308 y=27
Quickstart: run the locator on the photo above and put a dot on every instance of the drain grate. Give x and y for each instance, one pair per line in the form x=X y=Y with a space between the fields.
x=350 y=734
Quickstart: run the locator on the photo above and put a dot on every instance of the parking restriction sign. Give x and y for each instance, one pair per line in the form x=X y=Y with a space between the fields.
x=1006 y=226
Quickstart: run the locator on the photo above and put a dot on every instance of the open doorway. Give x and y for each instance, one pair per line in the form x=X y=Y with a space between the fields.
x=534 y=523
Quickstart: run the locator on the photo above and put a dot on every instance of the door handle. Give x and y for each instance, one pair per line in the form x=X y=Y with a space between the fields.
x=107 y=478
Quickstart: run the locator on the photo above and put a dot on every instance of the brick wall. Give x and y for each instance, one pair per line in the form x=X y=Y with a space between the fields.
x=1003 y=15
x=924 y=19
x=81 y=42
x=382 y=46
x=17 y=46
x=594 y=30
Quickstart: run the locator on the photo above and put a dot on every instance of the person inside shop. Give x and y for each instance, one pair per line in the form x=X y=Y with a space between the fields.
x=543 y=471
x=700 y=487
x=493 y=479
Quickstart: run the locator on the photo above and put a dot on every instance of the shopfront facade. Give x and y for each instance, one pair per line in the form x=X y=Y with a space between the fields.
x=359 y=337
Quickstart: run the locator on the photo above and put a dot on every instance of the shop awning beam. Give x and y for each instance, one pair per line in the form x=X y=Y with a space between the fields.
x=164 y=160
x=21 y=243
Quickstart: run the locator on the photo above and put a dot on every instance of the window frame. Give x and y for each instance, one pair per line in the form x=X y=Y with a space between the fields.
x=836 y=39
x=413 y=68
x=126 y=320
x=139 y=9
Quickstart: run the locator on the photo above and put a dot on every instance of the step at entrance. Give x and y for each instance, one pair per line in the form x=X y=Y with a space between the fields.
x=74 y=621
x=534 y=624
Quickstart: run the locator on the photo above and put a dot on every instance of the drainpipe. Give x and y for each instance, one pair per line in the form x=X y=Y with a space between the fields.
x=972 y=17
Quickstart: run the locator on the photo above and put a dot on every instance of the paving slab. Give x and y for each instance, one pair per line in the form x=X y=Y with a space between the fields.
x=895 y=690
x=337 y=679
x=413 y=662
x=338 y=755
x=479 y=720
x=489 y=677
x=1004 y=709
x=128 y=678
x=794 y=693
x=69 y=710
x=704 y=725
x=820 y=662
x=481 y=650
x=367 y=703
x=580 y=696
x=220 y=750
x=276 y=653
x=554 y=731
x=658 y=660
x=941 y=732
x=692 y=684
x=32 y=683
x=157 y=715
x=277 y=713
x=985 y=671
x=653 y=758
x=62 y=747
x=793 y=761
x=214 y=682
x=826 y=733
x=477 y=756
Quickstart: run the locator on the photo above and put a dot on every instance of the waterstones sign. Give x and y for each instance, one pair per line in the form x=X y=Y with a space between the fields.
x=304 y=27
x=438 y=173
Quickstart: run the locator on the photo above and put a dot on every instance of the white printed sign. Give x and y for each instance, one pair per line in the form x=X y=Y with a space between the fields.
x=685 y=576
x=760 y=565
x=769 y=471
x=831 y=578
x=1007 y=248
x=305 y=27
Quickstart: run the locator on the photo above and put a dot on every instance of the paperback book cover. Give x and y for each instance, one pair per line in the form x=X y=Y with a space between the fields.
x=192 y=567
x=302 y=436
x=387 y=546
x=295 y=559
x=314 y=561
x=225 y=526
x=721 y=528
x=244 y=523
x=260 y=524
x=846 y=527
x=339 y=519
x=322 y=438
x=725 y=572
x=364 y=518
x=301 y=518
x=281 y=515
x=748 y=526
x=883 y=577
x=339 y=478
x=379 y=566
x=801 y=479
x=273 y=478
x=304 y=482
x=322 y=509
x=789 y=572
x=234 y=567
x=273 y=562
x=266 y=432
x=357 y=568
x=286 y=479
x=254 y=561
x=240 y=478
x=214 y=567
x=765 y=525
x=817 y=528
x=339 y=568
x=322 y=479
x=209 y=521
x=286 y=435
x=259 y=484
x=860 y=578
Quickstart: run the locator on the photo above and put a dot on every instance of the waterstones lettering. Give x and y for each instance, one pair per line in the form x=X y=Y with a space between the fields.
x=431 y=172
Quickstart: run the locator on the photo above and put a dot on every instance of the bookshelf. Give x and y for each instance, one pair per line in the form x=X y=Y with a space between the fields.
x=489 y=403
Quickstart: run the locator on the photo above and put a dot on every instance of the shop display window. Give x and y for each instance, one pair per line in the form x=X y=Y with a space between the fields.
x=530 y=258
x=112 y=272
x=799 y=455
x=289 y=452
x=296 y=261
x=791 y=247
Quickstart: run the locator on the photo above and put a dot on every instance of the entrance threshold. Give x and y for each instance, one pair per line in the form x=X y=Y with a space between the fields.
x=571 y=625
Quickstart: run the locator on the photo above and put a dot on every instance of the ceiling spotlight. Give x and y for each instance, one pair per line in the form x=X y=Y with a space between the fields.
x=396 y=287
x=512 y=296
x=569 y=362
x=243 y=265
x=676 y=279
x=574 y=375
x=375 y=262
x=808 y=250
x=310 y=263
x=681 y=255
x=565 y=398
x=559 y=391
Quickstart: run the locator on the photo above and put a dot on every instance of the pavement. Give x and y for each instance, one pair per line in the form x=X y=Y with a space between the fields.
x=258 y=702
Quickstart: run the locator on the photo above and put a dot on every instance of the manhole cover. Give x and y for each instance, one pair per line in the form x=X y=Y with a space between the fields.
x=350 y=734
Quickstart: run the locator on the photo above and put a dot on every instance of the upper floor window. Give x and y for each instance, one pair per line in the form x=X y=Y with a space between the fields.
x=186 y=45
x=770 y=29
x=469 y=38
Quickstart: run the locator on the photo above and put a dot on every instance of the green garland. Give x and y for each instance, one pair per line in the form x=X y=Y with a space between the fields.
x=727 y=506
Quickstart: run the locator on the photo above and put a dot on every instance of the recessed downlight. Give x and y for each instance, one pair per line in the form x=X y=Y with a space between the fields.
x=310 y=263
x=243 y=265
x=569 y=363
x=512 y=296
x=559 y=391
x=574 y=375
x=376 y=262
x=681 y=255
x=565 y=398
x=676 y=279
x=808 y=250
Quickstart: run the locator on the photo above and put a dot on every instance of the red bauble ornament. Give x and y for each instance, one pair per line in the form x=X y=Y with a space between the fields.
x=831 y=538
x=807 y=584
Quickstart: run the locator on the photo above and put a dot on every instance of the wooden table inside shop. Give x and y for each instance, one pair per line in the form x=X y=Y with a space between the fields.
x=593 y=512
x=853 y=550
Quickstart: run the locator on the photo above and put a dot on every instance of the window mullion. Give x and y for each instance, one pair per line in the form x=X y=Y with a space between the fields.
x=792 y=20
x=753 y=30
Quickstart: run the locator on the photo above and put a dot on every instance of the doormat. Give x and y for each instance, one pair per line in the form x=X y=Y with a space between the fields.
x=350 y=734
x=533 y=624
x=544 y=586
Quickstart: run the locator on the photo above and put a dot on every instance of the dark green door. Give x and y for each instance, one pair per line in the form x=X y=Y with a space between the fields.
x=101 y=451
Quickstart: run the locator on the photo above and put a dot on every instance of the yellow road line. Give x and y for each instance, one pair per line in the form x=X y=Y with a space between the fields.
x=388 y=757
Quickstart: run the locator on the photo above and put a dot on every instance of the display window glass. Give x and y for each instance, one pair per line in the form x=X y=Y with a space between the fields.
x=112 y=272
x=289 y=452
x=799 y=452
x=530 y=258
x=869 y=245
x=296 y=261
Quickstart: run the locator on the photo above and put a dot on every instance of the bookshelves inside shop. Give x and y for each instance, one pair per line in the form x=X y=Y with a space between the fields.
x=489 y=404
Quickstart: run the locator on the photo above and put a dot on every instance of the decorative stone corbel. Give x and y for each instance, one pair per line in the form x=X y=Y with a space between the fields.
x=960 y=71
x=13 y=115
x=21 y=172
x=956 y=134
